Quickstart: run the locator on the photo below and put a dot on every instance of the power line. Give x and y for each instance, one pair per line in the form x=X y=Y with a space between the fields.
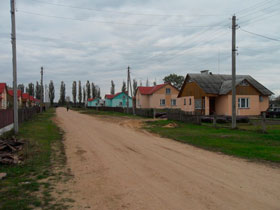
x=125 y=13
x=109 y=22
x=259 y=4
x=263 y=36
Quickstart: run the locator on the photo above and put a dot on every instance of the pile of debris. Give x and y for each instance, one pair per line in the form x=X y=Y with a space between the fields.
x=9 y=151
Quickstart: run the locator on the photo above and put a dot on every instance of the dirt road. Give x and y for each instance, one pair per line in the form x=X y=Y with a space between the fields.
x=116 y=167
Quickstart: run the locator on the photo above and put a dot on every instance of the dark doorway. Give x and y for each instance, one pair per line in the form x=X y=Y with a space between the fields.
x=212 y=105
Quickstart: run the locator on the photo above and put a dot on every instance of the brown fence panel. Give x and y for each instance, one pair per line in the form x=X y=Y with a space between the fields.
x=6 y=117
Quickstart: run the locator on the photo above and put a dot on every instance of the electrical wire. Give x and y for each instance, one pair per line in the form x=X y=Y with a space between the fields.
x=109 y=22
x=124 y=13
x=263 y=36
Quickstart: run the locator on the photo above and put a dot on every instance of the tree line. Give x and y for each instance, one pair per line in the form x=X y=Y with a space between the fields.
x=89 y=90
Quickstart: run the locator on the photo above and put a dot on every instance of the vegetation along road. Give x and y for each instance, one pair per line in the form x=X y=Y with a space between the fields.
x=117 y=167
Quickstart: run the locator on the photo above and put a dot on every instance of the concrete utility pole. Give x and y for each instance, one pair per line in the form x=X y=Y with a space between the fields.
x=234 y=71
x=13 y=37
x=42 y=95
x=127 y=88
x=133 y=109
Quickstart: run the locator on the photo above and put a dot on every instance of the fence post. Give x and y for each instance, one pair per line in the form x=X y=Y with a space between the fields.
x=263 y=122
x=198 y=119
x=154 y=112
x=215 y=120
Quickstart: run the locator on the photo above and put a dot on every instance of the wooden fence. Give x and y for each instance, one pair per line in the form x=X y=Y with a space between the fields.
x=7 y=115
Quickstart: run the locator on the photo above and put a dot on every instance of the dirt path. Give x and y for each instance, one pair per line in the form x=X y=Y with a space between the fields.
x=116 y=167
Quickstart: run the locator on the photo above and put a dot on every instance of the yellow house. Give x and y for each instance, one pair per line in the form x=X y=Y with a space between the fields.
x=157 y=97
x=208 y=93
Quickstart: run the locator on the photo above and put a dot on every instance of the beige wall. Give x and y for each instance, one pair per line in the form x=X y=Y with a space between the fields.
x=223 y=105
x=188 y=107
x=4 y=100
x=142 y=101
x=153 y=101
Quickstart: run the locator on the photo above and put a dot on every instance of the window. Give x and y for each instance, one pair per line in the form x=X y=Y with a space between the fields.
x=185 y=101
x=173 y=102
x=120 y=104
x=162 y=102
x=243 y=103
x=261 y=98
x=168 y=91
x=190 y=101
x=244 y=83
x=199 y=104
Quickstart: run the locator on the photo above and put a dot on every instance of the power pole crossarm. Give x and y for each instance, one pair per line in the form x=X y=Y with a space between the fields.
x=234 y=71
x=13 y=37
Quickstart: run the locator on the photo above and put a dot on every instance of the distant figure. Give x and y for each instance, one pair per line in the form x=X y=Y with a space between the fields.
x=67 y=107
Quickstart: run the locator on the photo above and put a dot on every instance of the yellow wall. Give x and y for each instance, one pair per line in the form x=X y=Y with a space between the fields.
x=223 y=105
x=187 y=107
x=153 y=101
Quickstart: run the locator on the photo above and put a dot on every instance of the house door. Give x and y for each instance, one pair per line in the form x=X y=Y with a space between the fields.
x=212 y=105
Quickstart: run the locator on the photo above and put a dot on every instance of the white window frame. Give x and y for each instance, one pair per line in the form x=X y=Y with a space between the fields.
x=172 y=102
x=168 y=92
x=246 y=103
x=161 y=102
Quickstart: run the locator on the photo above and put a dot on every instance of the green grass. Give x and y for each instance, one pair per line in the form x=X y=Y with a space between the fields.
x=25 y=186
x=252 y=145
x=104 y=113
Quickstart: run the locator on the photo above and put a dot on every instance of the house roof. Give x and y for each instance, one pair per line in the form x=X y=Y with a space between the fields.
x=220 y=84
x=11 y=93
x=25 y=96
x=91 y=99
x=31 y=98
x=2 y=87
x=111 y=96
x=151 y=90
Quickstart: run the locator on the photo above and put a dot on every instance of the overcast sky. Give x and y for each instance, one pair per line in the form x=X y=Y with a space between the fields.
x=97 y=40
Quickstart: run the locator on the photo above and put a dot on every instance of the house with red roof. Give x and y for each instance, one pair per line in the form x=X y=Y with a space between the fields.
x=157 y=97
x=94 y=102
x=11 y=93
x=26 y=100
x=118 y=100
x=4 y=97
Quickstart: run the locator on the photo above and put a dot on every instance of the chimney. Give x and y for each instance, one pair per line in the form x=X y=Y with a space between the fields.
x=204 y=72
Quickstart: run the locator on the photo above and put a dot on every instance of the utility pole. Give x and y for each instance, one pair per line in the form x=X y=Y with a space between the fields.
x=234 y=71
x=41 y=104
x=127 y=87
x=133 y=109
x=13 y=38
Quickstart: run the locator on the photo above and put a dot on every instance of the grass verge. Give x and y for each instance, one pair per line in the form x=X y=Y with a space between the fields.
x=251 y=145
x=28 y=185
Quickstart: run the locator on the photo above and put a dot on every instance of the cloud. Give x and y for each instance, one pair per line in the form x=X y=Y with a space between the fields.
x=153 y=45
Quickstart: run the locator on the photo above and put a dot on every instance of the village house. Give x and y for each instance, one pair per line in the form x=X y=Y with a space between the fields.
x=11 y=93
x=26 y=100
x=157 y=97
x=118 y=100
x=209 y=94
x=4 y=97
x=94 y=102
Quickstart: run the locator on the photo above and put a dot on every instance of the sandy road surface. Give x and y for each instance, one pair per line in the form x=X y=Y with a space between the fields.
x=120 y=168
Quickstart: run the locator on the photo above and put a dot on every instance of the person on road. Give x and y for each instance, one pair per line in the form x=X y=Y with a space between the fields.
x=67 y=107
